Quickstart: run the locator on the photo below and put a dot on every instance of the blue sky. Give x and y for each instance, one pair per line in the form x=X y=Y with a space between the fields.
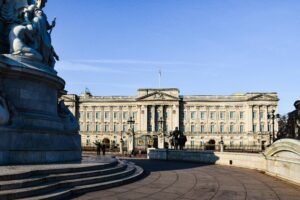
x=205 y=47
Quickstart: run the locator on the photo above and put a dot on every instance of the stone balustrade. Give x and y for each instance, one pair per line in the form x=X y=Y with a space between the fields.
x=282 y=159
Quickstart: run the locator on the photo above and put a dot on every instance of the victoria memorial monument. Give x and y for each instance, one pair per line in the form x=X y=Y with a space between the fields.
x=34 y=126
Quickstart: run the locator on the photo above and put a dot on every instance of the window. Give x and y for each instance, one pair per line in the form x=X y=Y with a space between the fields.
x=81 y=114
x=89 y=115
x=192 y=143
x=124 y=128
x=254 y=115
x=193 y=128
x=222 y=128
x=254 y=128
x=125 y=115
x=202 y=115
x=116 y=115
x=212 y=115
x=269 y=128
x=115 y=128
x=231 y=143
x=202 y=143
x=241 y=143
x=231 y=128
x=241 y=128
x=87 y=127
x=232 y=115
x=202 y=128
x=212 y=128
x=134 y=115
x=241 y=115
x=106 y=115
x=193 y=115
x=222 y=115
x=97 y=127
x=98 y=114
x=262 y=128
x=106 y=128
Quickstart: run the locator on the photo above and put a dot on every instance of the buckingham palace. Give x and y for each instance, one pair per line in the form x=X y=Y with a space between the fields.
x=237 y=119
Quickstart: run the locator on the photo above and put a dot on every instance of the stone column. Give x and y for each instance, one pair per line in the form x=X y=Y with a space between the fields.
x=153 y=118
x=145 y=119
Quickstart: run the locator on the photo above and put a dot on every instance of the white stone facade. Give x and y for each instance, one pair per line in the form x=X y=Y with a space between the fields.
x=240 y=119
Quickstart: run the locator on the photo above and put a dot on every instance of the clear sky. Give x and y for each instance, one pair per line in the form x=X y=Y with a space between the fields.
x=204 y=47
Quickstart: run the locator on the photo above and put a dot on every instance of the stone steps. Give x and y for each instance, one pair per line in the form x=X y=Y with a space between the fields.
x=67 y=168
x=63 y=183
x=66 y=193
x=30 y=182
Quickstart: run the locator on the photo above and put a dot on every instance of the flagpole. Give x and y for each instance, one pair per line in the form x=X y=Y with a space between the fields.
x=159 y=79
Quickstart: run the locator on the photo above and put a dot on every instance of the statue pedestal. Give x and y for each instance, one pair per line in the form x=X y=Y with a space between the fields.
x=161 y=142
x=131 y=143
x=36 y=131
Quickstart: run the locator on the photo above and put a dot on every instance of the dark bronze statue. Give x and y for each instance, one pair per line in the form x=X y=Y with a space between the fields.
x=178 y=139
x=294 y=122
x=290 y=127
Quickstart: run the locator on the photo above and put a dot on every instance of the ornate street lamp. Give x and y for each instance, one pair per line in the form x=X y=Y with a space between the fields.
x=121 y=143
x=272 y=117
x=131 y=122
x=161 y=122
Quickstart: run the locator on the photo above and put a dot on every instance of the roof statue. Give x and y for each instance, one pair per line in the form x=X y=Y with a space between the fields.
x=25 y=31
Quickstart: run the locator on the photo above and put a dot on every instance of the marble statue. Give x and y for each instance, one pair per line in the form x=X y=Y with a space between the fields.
x=27 y=30
x=4 y=112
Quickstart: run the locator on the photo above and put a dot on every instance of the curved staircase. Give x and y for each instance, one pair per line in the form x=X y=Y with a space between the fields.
x=65 y=181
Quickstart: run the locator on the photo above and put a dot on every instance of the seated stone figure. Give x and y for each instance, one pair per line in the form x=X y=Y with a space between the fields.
x=10 y=15
x=31 y=38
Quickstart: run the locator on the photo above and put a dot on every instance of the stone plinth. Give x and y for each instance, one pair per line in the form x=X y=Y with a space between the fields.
x=39 y=130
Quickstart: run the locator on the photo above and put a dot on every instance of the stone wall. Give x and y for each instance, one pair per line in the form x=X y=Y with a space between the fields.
x=282 y=159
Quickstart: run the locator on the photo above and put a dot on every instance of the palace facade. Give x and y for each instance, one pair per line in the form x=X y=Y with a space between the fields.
x=238 y=119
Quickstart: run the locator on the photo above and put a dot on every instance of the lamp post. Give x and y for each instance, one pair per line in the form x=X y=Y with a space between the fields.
x=161 y=122
x=121 y=143
x=272 y=117
x=131 y=122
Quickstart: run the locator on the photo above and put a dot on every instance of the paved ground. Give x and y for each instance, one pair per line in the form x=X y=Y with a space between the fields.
x=189 y=181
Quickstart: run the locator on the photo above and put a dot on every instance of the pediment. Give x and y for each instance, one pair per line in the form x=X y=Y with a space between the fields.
x=158 y=96
x=263 y=97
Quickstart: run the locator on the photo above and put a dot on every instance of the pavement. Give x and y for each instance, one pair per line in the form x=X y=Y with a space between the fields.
x=168 y=180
